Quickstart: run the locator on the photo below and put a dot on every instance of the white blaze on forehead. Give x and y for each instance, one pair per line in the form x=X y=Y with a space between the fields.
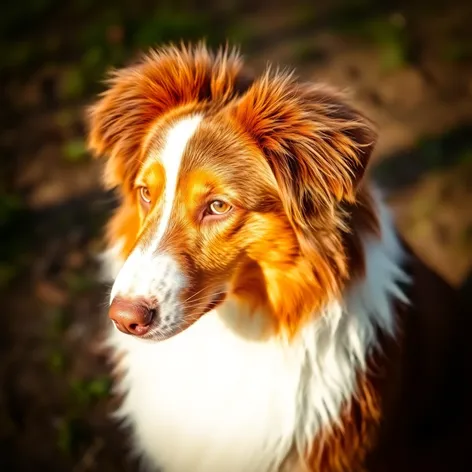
x=176 y=142
x=147 y=273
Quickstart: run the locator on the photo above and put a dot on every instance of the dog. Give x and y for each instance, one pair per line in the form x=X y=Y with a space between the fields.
x=266 y=315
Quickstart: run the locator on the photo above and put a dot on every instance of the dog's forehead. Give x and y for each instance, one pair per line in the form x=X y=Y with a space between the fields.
x=194 y=143
x=214 y=146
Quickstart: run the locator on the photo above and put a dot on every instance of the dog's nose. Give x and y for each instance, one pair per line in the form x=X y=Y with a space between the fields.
x=131 y=316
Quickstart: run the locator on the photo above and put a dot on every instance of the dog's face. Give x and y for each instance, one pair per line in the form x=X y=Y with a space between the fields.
x=205 y=203
x=227 y=191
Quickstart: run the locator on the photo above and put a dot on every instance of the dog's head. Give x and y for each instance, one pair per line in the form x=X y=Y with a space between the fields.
x=229 y=187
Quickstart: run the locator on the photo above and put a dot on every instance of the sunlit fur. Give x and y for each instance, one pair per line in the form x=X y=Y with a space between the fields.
x=271 y=315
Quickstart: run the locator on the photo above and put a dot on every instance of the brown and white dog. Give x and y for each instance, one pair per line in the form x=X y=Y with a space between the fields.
x=260 y=291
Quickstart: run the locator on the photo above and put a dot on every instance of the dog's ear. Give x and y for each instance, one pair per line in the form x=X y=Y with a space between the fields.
x=138 y=95
x=316 y=143
x=318 y=146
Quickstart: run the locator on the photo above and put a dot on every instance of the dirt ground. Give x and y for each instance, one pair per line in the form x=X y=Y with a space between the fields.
x=409 y=66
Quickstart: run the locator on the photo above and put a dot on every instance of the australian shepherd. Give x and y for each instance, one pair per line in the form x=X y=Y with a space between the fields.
x=260 y=291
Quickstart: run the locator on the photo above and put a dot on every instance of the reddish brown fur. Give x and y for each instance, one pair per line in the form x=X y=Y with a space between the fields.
x=345 y=447
x=140 y=94
x=305 y=136
x=301 y=146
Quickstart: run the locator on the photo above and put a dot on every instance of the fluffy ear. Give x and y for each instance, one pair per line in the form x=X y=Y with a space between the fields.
x=138 y=95
x=317 y=144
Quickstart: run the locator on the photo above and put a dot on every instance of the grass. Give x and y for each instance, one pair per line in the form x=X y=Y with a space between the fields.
x=82 y=394
x=73 y=432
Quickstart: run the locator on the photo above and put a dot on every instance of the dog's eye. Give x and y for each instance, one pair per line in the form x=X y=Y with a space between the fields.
x=219 y=207
x=145 y=195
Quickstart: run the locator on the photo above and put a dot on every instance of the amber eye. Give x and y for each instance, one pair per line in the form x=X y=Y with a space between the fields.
x=218 y=207
x=145 y=194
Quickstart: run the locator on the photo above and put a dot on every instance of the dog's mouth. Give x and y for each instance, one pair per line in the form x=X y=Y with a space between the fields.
x=165 y=331
x=217 y=299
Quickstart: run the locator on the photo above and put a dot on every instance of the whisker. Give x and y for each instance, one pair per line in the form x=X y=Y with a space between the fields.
x=199 y=300
x=194 y=295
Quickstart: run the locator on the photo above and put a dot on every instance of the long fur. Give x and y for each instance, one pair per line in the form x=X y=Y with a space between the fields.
x=281 y=374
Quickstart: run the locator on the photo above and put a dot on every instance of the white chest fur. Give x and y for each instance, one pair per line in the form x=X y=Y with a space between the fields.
x=209 y=400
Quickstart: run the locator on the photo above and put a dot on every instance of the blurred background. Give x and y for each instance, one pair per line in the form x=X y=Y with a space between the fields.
x=408 y=63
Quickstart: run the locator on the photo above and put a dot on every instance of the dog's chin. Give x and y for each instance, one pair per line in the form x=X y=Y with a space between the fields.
x=162 y=333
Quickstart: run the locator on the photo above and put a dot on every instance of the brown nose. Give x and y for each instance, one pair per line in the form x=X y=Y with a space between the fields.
x=131 y=316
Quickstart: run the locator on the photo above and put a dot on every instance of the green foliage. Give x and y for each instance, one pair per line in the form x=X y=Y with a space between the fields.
x=388 y=34
x=72 y=432
x=59 y=322
x=465 y=155
x=8 y=272
x=169 y=25
x=65 y=433
x=78 y=283
x=374 y=23
x=305 y=13
x=457 y=51
x=9 y=205
x=82 y=394
x=85 y=392
x=106 y=35
x=92 y=58
x=72 y=83
x=72 y=429
x=239 y=34
x=15 y=54
x=66 y=118
x=56 y=361
x=75 y=150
